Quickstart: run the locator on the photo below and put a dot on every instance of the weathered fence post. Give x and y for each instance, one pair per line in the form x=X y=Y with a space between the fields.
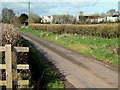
x=8 y=66
x=14 y=70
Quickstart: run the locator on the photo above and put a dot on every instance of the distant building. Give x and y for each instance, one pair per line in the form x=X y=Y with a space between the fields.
x=96 y=18
x=58 y=19
x=113 y=18
x=47 y=19
x=80 y=17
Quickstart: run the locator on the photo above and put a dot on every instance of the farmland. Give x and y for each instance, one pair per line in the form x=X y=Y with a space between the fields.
x=102 y=49
x=59 y=45
x=40 y=74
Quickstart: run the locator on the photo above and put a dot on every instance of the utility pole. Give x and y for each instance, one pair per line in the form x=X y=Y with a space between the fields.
x=28 y=11
x=119 y=8
x=18 y=14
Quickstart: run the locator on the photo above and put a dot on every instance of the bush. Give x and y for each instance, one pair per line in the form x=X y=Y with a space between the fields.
x=99 y=30
x=15 y=21
x=10 y=35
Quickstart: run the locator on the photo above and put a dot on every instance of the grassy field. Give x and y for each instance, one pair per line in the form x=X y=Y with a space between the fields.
x=105 y=50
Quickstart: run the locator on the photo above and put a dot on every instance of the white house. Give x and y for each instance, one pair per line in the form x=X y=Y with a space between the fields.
x=86 y=16
x=47 y=19
x=113 y=18
x=106 y=19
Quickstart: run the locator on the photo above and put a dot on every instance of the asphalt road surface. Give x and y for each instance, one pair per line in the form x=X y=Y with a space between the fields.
x=81 y=71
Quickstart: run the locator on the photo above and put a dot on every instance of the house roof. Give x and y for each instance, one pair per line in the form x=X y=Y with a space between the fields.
x=115 y=15
x=89 y=14
x=61 y=15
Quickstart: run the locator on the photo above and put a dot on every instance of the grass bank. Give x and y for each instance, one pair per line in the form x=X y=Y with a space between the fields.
x=43 y=77
x=105 y=50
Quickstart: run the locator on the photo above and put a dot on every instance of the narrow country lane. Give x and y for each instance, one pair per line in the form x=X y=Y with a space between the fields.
x=80 y=71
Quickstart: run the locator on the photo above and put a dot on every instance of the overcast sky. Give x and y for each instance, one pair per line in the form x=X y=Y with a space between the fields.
x=53 y=7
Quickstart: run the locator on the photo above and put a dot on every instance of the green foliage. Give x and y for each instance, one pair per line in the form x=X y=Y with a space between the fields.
x=23 y=17
x=42 y=72
x=96 y=47
x=100 y=30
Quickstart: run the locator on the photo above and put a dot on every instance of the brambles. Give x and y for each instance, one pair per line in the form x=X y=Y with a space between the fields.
x=10 y=35
x=99 y=30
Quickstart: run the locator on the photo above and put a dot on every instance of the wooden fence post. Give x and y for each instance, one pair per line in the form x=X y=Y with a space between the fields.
x=8 y=66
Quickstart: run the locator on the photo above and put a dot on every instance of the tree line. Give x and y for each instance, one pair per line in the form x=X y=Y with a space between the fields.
x=9 y=16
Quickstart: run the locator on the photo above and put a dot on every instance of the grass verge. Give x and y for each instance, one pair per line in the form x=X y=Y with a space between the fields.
x=42 y=75
x=105 y=50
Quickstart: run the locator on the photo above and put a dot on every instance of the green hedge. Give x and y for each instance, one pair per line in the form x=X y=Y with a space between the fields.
x=99 y=30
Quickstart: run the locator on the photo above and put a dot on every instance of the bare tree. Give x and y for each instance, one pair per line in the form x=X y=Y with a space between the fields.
x=7 y=14
x=111 y=12
x=103 y=15
x=34 y=18
x=63 y=19
x=81 y=12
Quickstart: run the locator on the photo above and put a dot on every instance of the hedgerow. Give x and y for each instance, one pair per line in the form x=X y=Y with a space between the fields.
x=98 y=30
